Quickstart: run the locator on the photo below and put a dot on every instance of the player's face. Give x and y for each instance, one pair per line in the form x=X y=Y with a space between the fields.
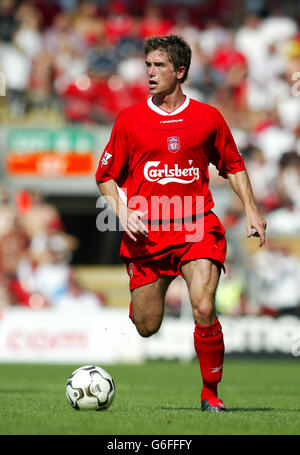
x=162 y=77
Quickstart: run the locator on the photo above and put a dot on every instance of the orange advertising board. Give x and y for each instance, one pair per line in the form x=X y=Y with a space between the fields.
x=49 y=164
x=50 y=153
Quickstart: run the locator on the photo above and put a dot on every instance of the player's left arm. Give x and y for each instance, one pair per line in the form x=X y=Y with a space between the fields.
x=254 y=220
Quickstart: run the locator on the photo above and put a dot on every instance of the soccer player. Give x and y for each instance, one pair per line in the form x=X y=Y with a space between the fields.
x=159 y=152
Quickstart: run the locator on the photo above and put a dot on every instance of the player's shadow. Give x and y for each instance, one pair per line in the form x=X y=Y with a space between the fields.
x=251 y=409
x=261 y=410
x=178 y=408
x=197 y=409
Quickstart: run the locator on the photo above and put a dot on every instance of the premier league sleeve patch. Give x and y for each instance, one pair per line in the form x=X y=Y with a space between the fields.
x=105 y=158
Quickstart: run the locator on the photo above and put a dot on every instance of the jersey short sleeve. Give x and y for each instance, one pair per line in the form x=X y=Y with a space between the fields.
x=224 y=153
x=113 y=163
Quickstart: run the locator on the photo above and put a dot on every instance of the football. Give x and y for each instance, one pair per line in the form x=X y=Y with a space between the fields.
x=90 y=387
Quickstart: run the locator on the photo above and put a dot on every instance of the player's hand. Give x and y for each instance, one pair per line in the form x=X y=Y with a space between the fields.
x=135 y=225
x=256 y=227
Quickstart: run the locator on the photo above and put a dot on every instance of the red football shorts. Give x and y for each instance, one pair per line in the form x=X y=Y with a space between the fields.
x=168 y=262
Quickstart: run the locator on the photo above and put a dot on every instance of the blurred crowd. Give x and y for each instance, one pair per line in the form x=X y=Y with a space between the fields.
x=35 y=256
x=84 y=59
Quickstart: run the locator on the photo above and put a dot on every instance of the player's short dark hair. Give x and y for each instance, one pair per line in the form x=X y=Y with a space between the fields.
x=178 y=50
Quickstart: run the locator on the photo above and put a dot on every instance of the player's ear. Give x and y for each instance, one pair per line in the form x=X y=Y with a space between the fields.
x=181 y=72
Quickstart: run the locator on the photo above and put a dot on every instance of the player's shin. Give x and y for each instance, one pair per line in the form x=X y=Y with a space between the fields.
x=209 y=346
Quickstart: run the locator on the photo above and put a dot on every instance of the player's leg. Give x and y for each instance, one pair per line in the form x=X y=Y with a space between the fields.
x=202 y=277
x=148 y=303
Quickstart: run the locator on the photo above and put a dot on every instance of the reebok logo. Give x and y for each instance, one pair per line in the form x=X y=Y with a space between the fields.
x=217 y=369
x=172 y=121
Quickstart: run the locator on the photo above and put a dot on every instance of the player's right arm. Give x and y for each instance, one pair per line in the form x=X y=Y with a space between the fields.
x=112 y=173
x=130 y=219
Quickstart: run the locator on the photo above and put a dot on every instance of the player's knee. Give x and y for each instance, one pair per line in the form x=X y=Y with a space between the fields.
x=145 y=332
x=147 y=328
x=203 y=309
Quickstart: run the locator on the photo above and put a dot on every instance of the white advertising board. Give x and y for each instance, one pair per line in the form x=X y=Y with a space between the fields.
x=108 y=336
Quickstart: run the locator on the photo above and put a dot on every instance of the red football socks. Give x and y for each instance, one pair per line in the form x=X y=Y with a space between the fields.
x=209 y=346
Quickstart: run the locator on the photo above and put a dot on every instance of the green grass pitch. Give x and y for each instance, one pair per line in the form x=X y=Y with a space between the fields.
x=155 y=398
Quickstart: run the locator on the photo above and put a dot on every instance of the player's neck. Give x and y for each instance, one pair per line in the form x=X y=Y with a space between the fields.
x=169 y=102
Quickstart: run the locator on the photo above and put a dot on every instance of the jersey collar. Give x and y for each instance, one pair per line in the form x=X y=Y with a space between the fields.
x=160 y=111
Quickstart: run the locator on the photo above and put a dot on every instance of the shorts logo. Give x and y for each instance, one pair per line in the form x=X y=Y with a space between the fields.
x=173 y=144
x=130 y=269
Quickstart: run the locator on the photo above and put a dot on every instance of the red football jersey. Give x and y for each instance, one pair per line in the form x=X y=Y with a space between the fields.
x=161 y=159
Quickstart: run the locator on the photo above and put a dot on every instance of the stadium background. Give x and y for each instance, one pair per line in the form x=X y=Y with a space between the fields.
x=66 y=69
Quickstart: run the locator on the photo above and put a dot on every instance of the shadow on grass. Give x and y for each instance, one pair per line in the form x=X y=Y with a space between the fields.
x=197 y=409
x=251 y=409
x=178 y=408
x=262 y=410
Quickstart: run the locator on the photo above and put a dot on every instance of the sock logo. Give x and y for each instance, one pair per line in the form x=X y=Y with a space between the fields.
x=216 y=369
